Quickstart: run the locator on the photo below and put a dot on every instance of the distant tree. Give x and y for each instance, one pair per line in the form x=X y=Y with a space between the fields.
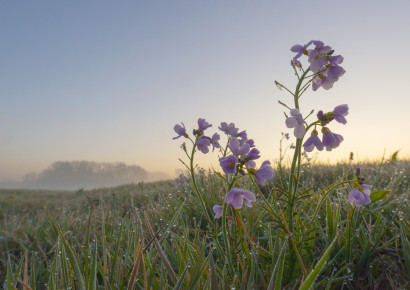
x=85 y=174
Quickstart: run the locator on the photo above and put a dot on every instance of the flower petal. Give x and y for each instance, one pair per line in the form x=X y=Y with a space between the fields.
x=299 y=131
x=291 y=122
x=218 y=210
x=237 y=200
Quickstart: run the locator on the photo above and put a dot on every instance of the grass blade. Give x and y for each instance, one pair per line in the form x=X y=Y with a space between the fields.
x=310 y=279
x=212 y=275
x=181 y=279
x=74 y=263
x=161 y=252
x=329 y=219
x=115 y=258
x=92 y=282
x=9 y=278
x=406 y=250
x=136 y=265
x=276 y=277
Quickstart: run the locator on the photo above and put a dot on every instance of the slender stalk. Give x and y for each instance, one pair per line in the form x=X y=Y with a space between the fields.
x=196 y=189
x=224 y=228
x=292 y=187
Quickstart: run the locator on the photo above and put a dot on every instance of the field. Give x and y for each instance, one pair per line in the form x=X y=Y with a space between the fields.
x=103 y=238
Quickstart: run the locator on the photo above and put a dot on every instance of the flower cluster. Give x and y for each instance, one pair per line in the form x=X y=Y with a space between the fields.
x=243 y=156
x=296 y=121
x=360 y=195
x=236 y=197
x=329 y=140
x=241 y=159
x=202 y=142
x=323 y=63
x=181 y=181
x=180 y=130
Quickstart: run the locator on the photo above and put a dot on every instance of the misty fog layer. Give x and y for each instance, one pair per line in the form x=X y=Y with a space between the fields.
x=74 y=175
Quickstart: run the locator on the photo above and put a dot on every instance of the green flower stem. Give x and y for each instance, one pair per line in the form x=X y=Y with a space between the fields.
x=225 y=150
x=300 y=159
x=298 y=141
x=208 y=216
x=293 y=245
x=261 y=194
x=224 y=229
x=292 y=187
x=297 y=91
x=196 y=189
x=245 y=248
x=225 y=237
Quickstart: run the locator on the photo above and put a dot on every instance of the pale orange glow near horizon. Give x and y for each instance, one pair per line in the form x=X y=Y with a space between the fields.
x=110 y=86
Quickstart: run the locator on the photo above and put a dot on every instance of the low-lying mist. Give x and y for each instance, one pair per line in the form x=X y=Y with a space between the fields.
x=74 y=175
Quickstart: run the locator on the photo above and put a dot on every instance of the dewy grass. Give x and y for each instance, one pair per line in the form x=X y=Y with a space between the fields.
x=378 y=234
x=303 y=225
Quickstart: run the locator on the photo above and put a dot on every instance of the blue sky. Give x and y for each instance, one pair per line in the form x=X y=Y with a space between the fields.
x=107 y=80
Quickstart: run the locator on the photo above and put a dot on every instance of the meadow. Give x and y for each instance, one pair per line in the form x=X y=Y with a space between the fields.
x=293 y=224
x=92 y=239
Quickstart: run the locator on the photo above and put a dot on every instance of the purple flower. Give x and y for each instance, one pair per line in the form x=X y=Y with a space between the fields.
x=218 y=210
x=296 y=121
x=330 y=140
x=360 y=196
x=237 y=196
x=253 y=154
x=358 y=170
x=242 y=135
x=201 y=171
x=339 y=139
x=325 y=118
x=322 y=62
x=312 y=142
x=264 y=173
x=203 y=125
x=332 y=75
x=317 y=62
x=251 y=142
x=317 y=81
x=214 y=141
x=180 y=130
x=228 y=164
x=296 y=63
x=300 y=49
x=250 y=164
x=181 y=181
x=327 y=78
x=335 y=59
x=340 y=112
x=229 y=129
x=366 y=188
x=203 y=144
x=285 y=135
x=317 y=56
x=237 y=148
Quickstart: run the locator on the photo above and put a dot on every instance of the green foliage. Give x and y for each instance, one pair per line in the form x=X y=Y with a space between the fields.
x=378 y=195
x=93 y=239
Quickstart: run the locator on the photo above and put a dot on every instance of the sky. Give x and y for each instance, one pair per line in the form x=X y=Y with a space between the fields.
x=106 y=81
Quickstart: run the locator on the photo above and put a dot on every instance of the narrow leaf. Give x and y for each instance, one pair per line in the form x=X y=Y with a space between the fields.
x=310 y=279
x=377 y=195
x=181 y=279
x=92 y=283
x=74 y=263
